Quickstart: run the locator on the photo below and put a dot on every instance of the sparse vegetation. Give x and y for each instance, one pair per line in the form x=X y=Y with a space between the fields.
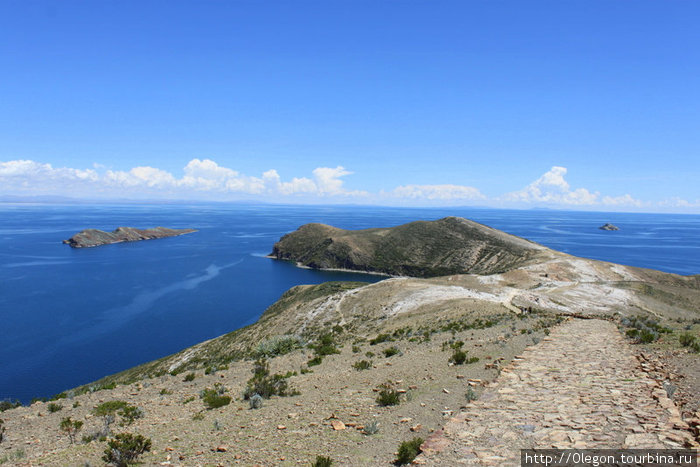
x=470 y=395
x=9 y=404
x=408 y=451
x=130 y=414
x=53 y=407
x=644 y=330
x=266 y=385
x=322 y=461
x=214 y=398
x=381 y=338
x=371 y=428
x=189 y=377
x=71 y=427
x=686 y=339
x=388 y=395
x=2 y=430
x=362 y=365
x=391 y=351
x=278 y=345
x=125 y=448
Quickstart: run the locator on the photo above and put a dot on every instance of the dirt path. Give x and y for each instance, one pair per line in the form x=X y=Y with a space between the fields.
x=581 y=387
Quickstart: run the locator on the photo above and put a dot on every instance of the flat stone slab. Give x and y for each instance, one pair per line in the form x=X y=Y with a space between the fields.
x=583 y=387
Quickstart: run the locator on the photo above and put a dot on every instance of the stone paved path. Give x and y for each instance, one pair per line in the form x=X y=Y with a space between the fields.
x=581 y=387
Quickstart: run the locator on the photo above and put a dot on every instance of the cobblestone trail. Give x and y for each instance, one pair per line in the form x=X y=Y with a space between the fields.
x=581 y=387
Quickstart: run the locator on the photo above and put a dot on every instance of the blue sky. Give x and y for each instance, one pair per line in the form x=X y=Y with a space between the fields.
x=576 y=104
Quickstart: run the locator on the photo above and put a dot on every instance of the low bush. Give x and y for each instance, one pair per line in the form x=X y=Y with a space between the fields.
x=408 y=451
x=53 y=407
x=71 y=427
x=322 y=461
x=362 y=365
x=326 y=345
x=686 y=339
x=130 y=414
x=125 y=448
x=381 y=338
x=371 y=428
x=265 y=384
x=278 y=345
x=214 y=398
x=189 y=377
x=391 y=351
x=315 y=361
x=388 y=396
x=9 y=404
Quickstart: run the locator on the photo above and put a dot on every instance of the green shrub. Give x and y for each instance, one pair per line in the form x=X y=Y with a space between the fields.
x=190 y=377
x=326 y=345
x=8 y=404
x=362 y=365
x=470 y=395
x=388 y=396
x=71 y=427
x=408 y=451
x=278 y=345
x=356 y=349
x=322 y=461
x=391 y=351
x=213 y=400
x=265 y=384
x=458 y=357
x=130 y=414
x=165 y=392
x=647 y=336
x=695 y=346
x=314 y=361
x=686 y=339
x=2 y=430
x=53 y=407
x=108 y=408
x=124 y=448
x=381 y=338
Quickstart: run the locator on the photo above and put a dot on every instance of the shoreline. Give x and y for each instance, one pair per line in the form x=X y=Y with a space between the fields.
x=303 y=266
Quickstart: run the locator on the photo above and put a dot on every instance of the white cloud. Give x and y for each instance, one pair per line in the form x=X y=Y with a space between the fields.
x=205 y=179
x=199 y=176
x=439 y=192
x=552 y=188
x=624 y=200
x=676 y=202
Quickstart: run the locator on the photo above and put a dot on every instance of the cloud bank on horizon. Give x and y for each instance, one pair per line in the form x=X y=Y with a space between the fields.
x=205 y=180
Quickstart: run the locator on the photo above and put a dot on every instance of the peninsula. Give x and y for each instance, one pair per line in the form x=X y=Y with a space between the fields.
x=93 y=237
x=451 y=245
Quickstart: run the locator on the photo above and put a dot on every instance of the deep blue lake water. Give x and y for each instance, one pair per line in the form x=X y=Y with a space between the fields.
x=68 y=317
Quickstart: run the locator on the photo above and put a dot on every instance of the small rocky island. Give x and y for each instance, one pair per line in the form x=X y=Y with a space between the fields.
x=609 y=227
x=93 y=237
